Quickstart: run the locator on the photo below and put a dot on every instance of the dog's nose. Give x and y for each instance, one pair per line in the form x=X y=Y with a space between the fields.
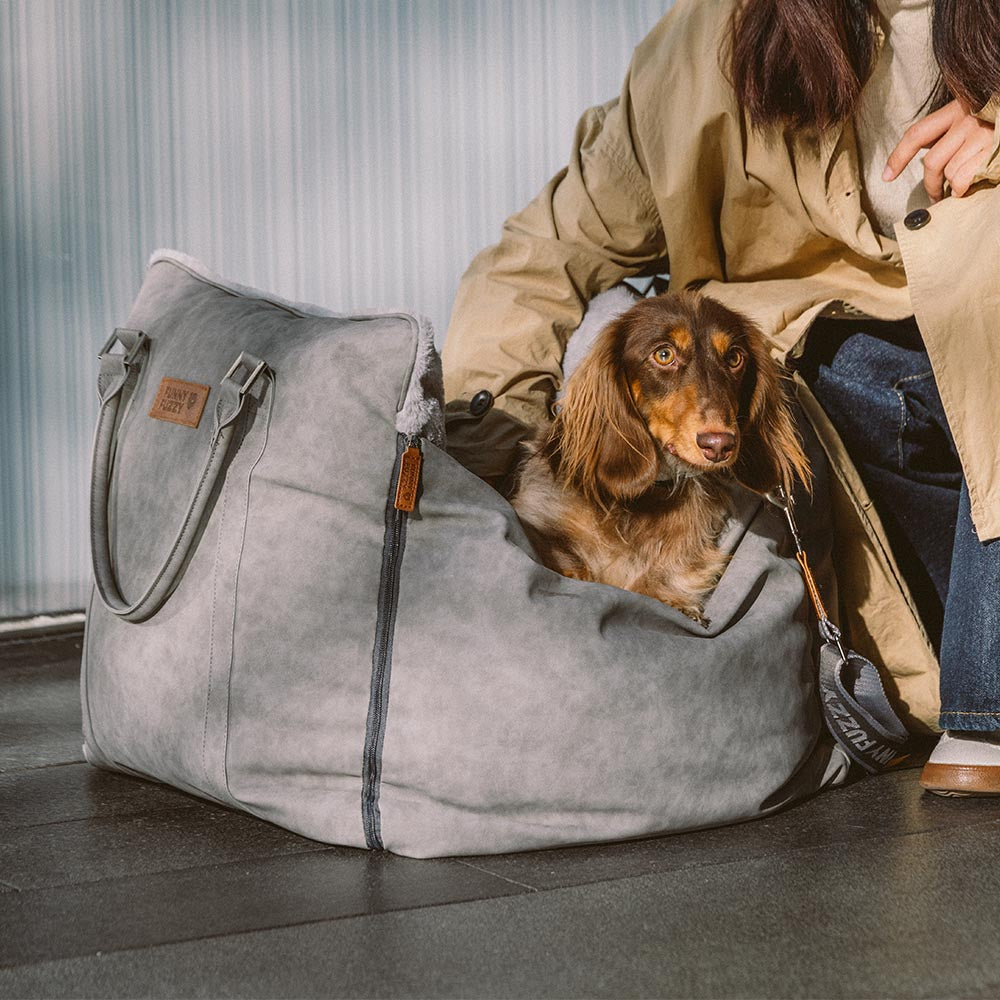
x=716 y=447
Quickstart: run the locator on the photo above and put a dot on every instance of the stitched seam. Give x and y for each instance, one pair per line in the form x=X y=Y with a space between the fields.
x=902 y=429
x=100 y=530
x=211 y=632
x=236 y=582
x=912 y=378
x=902 y=411
x=955 y=711
x=99 y=514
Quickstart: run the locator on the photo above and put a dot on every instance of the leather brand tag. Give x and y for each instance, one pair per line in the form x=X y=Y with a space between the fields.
x=180 y=402
x=409 y=479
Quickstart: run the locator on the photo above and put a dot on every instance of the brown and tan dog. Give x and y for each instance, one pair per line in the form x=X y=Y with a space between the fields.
x=631 y=484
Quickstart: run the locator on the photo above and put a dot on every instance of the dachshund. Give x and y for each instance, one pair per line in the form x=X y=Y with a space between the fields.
x=632 y=483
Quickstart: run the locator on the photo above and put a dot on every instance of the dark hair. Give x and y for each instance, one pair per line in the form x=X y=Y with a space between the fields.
x=803 y=62
x=967 y=47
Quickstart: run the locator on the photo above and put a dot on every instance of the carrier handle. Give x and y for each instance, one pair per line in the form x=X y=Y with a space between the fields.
x=856 y=709
x=116 y=381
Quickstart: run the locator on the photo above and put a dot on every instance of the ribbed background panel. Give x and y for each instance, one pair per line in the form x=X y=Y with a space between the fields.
x=351 y=153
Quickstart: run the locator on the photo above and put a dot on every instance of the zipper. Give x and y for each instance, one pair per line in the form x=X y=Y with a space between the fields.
x=399 y=505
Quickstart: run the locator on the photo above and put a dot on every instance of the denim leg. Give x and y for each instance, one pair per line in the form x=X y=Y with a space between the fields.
x=916 y=485
x=877 y=387
x=970 y=645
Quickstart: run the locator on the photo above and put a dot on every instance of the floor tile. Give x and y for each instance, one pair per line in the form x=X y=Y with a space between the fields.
x=40 y=713
x=67 y=792
x=41 y=649
x=91 y=850
x=111 y=886
x=911 y=916
x=128 y=913
x=866 y=808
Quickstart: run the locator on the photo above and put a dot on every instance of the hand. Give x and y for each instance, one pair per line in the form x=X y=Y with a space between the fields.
x=957 y=142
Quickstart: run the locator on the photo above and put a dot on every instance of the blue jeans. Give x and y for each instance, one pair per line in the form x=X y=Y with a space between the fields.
x=875 y=382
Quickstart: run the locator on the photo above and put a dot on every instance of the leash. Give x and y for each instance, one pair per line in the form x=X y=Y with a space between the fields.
x=856 y=709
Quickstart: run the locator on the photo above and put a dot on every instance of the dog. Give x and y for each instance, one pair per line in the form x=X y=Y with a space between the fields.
x=632 y=483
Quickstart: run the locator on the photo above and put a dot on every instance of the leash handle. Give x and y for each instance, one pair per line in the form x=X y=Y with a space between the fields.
x=856 y=709
x=827 y=629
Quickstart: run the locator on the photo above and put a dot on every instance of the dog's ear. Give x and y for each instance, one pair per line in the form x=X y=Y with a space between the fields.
x=770 y=450
x=605 y=448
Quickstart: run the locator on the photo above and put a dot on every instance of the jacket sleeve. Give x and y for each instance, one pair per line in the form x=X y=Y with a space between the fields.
x=595 y=223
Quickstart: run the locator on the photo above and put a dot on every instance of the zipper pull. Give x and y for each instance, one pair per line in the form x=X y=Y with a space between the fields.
x=409 y=476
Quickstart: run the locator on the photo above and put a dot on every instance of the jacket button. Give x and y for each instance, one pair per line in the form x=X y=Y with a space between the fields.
x=481 y=402
x=917 y=219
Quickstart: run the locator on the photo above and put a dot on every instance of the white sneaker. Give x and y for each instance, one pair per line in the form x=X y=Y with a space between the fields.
x=964 y=763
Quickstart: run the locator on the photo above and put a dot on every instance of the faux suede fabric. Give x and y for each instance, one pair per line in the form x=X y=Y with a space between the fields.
x=528 y=709
x=251 y=684
x=524 y=709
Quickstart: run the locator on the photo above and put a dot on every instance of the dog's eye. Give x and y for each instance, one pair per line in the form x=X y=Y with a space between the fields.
x=735 y=358
x=664 y=356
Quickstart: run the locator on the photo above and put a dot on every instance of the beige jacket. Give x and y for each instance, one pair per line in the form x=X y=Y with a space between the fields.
x=668 y=177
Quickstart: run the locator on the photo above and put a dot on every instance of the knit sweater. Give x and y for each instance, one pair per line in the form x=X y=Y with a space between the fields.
x=892 y=99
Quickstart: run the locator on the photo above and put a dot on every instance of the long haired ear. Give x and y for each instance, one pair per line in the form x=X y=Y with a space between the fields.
x=770 y=450
x=605 y=448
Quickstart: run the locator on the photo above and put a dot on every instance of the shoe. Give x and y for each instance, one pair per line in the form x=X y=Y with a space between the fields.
x=964 y=763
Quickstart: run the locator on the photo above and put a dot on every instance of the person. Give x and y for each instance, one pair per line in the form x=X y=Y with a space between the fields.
x=829 y=167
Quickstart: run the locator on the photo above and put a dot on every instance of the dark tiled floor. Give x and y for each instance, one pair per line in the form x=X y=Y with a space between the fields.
x=111 y=886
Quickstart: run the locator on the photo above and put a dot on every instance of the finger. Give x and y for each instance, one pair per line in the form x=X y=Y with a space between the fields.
x=964 y=166
x=963 y=136
x=937 y=159
x=961 y=179
x=919 y=136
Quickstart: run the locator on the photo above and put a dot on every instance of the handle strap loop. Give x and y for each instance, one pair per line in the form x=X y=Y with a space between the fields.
x=116 y=381
x=856 y=709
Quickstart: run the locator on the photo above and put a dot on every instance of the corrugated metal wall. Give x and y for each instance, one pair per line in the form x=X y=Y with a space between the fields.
x=350 y=153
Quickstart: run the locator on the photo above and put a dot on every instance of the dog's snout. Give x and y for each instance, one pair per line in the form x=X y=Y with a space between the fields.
x=716 y=447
